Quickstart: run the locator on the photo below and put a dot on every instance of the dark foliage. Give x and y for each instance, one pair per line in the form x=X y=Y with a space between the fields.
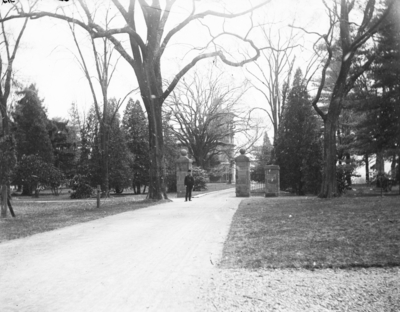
x=200 y=179
x=80 y=187
x=136 y=130
x=30 y=126
x=298 y=148
x=35 y=174
x=63 y=147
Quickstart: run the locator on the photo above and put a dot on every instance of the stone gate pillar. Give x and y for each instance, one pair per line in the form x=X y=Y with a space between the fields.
x=242 y=175
x=183 y=164
x=272 y=182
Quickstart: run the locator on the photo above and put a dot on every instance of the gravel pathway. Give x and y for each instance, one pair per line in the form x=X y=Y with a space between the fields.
x=153 y=259
x=374 y=290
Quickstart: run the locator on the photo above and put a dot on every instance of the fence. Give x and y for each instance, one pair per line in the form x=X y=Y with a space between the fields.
x=257 y=179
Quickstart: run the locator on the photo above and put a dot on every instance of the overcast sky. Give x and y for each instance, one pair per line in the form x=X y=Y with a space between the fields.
x=47 y=55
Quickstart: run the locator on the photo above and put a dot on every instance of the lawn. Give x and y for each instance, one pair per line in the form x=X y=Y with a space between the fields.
x=49 y=212
x=34 y=217
x=308 y=232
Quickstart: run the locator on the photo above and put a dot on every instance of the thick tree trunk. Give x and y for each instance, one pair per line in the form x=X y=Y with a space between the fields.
x=329 y=184
x=366 y=158
x=200 y=160
x=3 y=134
x=156 y=151
x=150 y=84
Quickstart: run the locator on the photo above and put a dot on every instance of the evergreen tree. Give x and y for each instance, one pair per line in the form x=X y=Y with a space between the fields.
x=88 y=163
x=63 y=146
x=30 y=129
x=135 y=126
x=30 y=126
x=386 y=73
x=121 y=159
x=263 y=156
x=298 y=149
x=378 y=130
x=171 y=151
x=266 y=150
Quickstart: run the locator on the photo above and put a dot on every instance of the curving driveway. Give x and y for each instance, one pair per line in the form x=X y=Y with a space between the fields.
x=153 y=259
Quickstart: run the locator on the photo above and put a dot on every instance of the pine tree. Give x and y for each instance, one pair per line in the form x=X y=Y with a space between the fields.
x=88 y=162
x=30 y=121
x=378 y=131
x=298 y=149
x=63 y=146
x=121 y=159
x=263 y=156
x=31 y=129
x=135 y=126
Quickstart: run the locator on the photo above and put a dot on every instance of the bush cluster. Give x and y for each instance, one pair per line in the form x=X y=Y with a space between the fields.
x=80 y=188
x=200 y=179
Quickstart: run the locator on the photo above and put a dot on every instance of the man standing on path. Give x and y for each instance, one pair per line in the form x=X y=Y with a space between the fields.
x=189 y=182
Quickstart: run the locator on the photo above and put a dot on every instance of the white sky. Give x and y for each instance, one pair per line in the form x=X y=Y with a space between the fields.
x=46 y=55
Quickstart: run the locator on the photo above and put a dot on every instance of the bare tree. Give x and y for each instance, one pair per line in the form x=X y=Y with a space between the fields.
x=207 y=115
x=6 y=75
x=272 y=73
x=105 y=114
x=144 y=52
x=357 y=22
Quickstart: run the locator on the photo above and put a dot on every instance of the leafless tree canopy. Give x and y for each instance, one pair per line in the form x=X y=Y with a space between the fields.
x=207 y=114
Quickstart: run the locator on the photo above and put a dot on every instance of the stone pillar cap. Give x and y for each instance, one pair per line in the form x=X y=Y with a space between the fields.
x=183 y=157
x=242 y=157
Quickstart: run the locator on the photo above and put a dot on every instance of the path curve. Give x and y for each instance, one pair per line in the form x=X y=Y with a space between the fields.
x=153 y=259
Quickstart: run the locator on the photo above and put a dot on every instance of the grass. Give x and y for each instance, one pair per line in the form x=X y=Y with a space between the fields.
x=49 y=212
x=301 y=232
x=37 y=217
x=370 y=190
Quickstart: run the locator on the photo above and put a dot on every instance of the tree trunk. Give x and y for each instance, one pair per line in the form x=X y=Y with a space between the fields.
x=156 y=151
x=4 y=134
x=329 y=184
x=26 y=189
x=393 y=167
x=366 y=157
x=348 y=172
x=398 y=171
x=104 y=133
x=200 y=160
x=380 y=163
x=4 y=201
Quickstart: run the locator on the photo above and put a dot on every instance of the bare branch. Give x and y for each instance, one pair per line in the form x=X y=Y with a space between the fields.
x=193 y=17
x=86 y=72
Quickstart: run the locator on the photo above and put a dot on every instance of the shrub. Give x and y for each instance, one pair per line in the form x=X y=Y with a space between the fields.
x=37 y=174
x=54 y=179
x=343 y=172
x=200 y=179
x=8 y=159
x=215 y=174
x=80 y=188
